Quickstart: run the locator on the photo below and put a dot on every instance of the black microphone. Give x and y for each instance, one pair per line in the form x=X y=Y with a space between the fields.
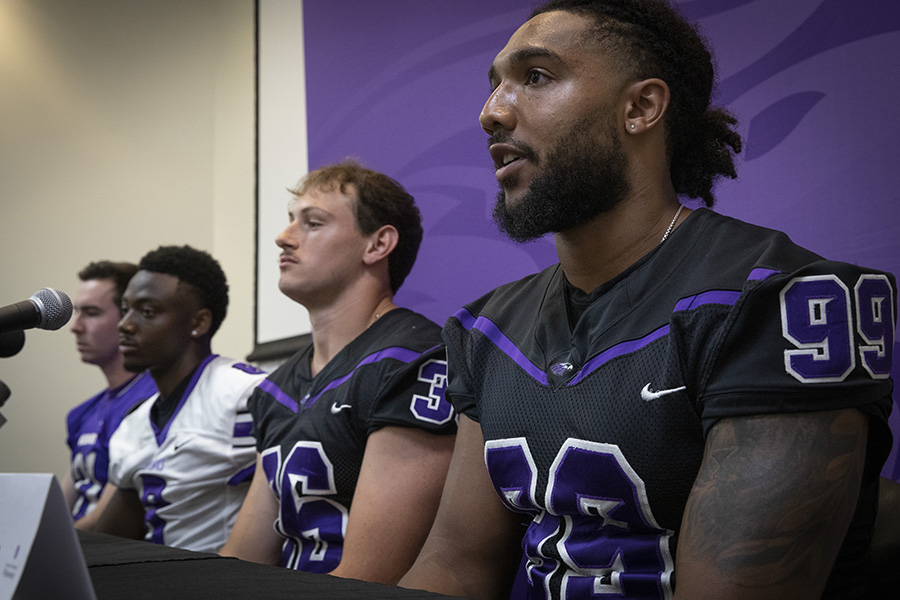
x=11 y=342
x=46 y=309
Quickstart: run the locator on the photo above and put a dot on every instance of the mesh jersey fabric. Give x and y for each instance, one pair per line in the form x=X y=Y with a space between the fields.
x=88 y=429
x=717 y=322
x=311 y=431
x=192 y=474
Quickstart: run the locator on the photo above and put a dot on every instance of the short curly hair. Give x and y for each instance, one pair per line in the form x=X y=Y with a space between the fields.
x=120 y=273
x=651 y=39
x=197 y=269
x=378 y=200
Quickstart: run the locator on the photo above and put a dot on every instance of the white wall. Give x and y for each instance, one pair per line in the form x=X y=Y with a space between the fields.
x=124 y=125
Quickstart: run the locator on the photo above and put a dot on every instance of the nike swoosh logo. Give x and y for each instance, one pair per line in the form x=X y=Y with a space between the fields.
x=336 y=408
x=648 y=395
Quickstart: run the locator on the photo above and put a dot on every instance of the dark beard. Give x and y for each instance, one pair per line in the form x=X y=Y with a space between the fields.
x=582 y=179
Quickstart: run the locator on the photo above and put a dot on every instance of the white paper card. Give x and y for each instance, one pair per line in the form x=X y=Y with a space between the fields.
x=40 y=556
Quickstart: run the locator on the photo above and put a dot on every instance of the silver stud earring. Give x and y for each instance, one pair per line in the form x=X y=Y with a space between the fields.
x=632 y=125
x=194 y=333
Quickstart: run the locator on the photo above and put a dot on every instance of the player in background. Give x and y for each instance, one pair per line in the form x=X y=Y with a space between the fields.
x=353 y=432
x=183 y=459
x=685 y=406
x=89 y=425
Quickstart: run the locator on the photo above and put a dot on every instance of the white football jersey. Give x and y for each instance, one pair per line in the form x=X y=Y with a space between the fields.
x=192 y=474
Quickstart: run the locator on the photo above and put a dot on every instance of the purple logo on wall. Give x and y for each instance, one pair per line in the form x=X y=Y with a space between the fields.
x=399 y=85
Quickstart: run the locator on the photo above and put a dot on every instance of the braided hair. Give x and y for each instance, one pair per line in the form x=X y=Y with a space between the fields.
x=651 y=39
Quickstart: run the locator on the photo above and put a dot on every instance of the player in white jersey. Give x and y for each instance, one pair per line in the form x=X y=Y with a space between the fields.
x=183 y=460
x=192 y=473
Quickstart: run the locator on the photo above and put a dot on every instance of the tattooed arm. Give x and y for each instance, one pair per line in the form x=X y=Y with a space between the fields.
x=770 y=506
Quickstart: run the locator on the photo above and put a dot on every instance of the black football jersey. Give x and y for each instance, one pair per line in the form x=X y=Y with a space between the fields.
x=312 y=431
x=594 y=425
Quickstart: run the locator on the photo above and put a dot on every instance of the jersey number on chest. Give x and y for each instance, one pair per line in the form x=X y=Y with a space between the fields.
x=594 y=533
x=314 y=526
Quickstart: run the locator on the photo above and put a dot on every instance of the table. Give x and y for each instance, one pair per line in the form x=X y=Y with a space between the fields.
x=135 y=570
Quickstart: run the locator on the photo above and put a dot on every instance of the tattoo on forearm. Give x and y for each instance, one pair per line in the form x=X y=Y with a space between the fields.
x=775 y=494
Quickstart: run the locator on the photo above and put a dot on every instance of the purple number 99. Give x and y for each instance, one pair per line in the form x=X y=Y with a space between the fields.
x=817 y=317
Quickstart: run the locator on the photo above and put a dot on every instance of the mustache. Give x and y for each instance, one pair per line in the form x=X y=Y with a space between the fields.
x=503 y=137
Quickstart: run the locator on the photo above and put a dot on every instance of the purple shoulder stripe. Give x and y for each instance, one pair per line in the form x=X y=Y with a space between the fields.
x=712 y=297
x=620 y=349
x=280 y=397
x=247 y=368
x=493 y=333
x=505 y=345
x=243 y=428
x=761 y=273
x=729 y=297
x=465 y=318
x=403 y=355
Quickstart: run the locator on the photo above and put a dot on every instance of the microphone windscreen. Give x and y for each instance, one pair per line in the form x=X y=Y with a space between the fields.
x=11 y=342
x=55 y=308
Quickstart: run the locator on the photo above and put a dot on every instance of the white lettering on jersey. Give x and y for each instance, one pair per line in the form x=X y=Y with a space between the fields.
x=87 y=439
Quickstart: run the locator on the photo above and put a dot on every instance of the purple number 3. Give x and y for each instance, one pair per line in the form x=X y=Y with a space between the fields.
x=433 y=408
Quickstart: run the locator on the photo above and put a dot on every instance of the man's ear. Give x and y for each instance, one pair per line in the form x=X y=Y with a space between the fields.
x=647 y=103
x=381 y=244
x=201 y=323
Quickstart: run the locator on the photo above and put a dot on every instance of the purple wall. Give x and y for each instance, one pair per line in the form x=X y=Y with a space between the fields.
x=399 y=85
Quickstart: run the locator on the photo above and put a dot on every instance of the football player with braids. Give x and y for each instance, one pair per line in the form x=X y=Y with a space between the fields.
x=686 y=406
x=182 y=460
x=354 y=434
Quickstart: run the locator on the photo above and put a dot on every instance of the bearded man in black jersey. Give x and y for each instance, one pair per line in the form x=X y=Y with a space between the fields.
x=686 y=406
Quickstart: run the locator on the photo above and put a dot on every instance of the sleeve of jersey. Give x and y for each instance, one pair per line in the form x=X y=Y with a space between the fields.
x=414 y=394
x=456 y=338
x=819 y=338
x=244 y=429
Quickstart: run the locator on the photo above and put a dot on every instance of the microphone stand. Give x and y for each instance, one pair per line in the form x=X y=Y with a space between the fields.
x=10 y=344
x=4 y=394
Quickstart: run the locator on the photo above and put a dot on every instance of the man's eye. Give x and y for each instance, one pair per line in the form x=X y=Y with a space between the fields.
x=534 y=76
x=147 y=312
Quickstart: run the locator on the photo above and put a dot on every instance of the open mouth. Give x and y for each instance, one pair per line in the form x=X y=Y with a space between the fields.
x=507 y=158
